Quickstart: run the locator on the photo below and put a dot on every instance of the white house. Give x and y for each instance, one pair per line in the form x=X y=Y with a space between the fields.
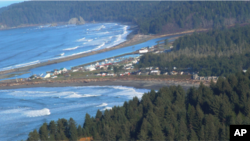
x=91 y=69
x=64 y=70
x=155 y=72
x=143 y=50
x=47 y=75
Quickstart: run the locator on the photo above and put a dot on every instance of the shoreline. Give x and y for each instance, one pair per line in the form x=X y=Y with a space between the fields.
x=141 y=83
x=133 y=40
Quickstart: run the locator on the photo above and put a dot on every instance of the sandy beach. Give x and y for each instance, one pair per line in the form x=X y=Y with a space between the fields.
x=136 y=83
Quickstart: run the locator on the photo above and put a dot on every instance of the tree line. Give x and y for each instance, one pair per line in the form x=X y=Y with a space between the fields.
x=206 y=66
x=215 y=40
x=149 y=16
x=214 y=53
x=202 y=113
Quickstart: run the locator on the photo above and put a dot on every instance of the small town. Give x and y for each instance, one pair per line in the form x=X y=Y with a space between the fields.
x=122 y=66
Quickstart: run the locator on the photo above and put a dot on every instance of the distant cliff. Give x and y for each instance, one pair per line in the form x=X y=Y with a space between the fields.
x=150 y=16
x=76 y=21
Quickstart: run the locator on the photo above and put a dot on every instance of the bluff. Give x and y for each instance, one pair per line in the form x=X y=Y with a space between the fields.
x=150 y=16
x=76 y=21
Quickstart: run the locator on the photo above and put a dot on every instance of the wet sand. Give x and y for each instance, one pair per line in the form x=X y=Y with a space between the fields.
x=142 y=83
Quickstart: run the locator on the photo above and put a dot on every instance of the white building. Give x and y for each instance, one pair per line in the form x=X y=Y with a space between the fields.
x=47 y=75
x=91 y=69
x=143 y=51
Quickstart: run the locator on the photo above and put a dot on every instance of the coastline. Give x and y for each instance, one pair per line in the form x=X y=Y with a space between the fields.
x=144 y=83
x=132 y=40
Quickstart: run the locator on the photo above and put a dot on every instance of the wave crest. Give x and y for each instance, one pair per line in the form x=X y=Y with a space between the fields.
x=38 y=113
x=103 y=104
x=73 y=48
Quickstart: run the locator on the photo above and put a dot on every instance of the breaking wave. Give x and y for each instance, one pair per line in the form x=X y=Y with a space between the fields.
x=80 y=40
x=75 y=95
x=103 y=104
x=73 y=48
x=38 y=113
x=101 y=27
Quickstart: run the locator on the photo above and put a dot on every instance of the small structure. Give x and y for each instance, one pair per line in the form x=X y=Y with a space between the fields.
x=143 y=50
x=64 y=70
x=155 y=72
x=202 y=78
x=138 y=73
x=91 y=69
x=127 y=73
x=166 y=73
x=47 y=75
x=174 y=72
x=181 y=73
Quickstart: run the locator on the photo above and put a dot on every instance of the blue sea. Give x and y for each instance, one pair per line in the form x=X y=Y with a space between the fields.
x=31 y=45
x=23 y=110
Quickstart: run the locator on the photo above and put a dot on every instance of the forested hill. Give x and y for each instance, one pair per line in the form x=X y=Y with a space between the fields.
x=152 y=17
x=203 y=113
x=48 y=11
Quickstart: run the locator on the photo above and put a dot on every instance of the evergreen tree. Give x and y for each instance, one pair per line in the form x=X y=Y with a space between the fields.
x=79 y=131
x=43 y=132
x=33 y=136
x=72 y=130
x=52 y=127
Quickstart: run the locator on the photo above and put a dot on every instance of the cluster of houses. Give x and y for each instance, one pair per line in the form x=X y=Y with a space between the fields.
x=56 y=72
x=156 y=71
x=196 y=77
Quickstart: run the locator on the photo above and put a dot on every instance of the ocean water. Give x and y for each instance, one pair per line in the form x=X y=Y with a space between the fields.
x=31 y=45
x=26 y=109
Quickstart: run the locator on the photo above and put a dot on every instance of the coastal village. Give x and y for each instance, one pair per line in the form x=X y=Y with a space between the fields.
x=117 y=67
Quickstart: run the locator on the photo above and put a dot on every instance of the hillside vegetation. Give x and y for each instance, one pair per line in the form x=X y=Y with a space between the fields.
x=151 y=17
x=203 y=113
x=213 y=53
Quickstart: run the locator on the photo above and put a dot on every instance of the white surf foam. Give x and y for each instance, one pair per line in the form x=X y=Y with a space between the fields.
x=73 y=48
x=125 y=30
x=80 y=40
x=99 y=46
x=103 y=104
x=90 y=40
x=101 y=27
x=27 y=64
x=119 y=37
x=129 y=91
x=20 y=65
x=13 y=111
x=37 y=113
x=75 y=95
x=106 y=108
